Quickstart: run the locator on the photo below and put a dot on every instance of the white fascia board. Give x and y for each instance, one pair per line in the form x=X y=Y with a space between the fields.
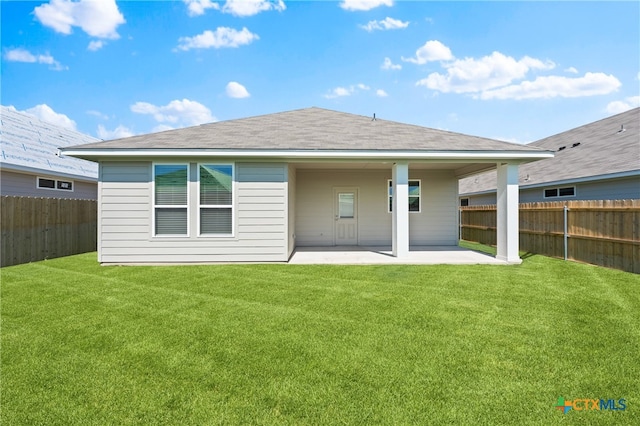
x=314 y=155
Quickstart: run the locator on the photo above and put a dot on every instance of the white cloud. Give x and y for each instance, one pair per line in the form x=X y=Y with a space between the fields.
x=388 y=65
x=244 y=8
x=616 y=107
x=97 y=18
x=433 y=50
x=385 y=24
x=45 y=113
x=381 y=93
x=359 y=5
x=571 y=70
x=556 y=86
x=23 y=55
x=179 y=113
x=98 y=114
x=237 y=90
x=222 y=37
x=198 y=7
x=96 y=45
x=117 y=133
x=475 y=75
x=340 y=91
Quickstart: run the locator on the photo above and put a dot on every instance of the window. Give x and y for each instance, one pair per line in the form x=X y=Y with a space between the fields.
x=569 y=191
x=464 y=202
x=216 y=199
x=414 y=196
x=62 y=185
x=171 y=199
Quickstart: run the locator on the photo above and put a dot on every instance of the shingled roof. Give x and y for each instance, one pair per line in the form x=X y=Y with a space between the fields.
x=314 y=129
x=30 y=145
x=607 y=147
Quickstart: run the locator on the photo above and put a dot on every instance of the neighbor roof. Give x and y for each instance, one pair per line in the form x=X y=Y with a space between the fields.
x=30 y=145
x=606 y=148
x=312 y=129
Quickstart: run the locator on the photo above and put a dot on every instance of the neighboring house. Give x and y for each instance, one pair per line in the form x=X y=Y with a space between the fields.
x=253 y=189
x=30 y=164
x=597 y=161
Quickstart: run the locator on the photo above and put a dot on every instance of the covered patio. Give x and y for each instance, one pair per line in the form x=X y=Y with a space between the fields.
x=383 y=255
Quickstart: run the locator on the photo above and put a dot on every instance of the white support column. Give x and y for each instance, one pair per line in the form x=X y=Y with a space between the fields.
x=400 y=206
x=507 y=214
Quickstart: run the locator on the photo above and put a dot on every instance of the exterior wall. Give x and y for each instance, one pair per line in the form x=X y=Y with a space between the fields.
x=617 y=189
x=125 y=219
x=614 y=189
x=436 y=224
x=291 y=210
x=25 y=185
x=481 y=200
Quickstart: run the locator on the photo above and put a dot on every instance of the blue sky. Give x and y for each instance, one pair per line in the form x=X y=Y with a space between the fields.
x=516 y=71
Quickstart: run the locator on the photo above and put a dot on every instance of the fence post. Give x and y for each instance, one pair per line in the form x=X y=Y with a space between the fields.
x=566 y=236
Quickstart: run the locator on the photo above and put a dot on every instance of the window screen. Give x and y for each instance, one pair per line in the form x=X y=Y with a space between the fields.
x=216 y=199
x=567 y=192
x=170 y=199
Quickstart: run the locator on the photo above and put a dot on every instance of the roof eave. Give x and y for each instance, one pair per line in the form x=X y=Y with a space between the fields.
x=515 y=155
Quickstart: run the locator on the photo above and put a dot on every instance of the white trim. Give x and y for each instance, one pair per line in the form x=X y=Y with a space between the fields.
x=154 y=205
x=390 y=182
x=317 y=154
x=55 y=184
x=233 y=200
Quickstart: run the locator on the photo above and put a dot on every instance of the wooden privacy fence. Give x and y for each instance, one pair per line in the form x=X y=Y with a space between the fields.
x=602 y=232
x=44 y=228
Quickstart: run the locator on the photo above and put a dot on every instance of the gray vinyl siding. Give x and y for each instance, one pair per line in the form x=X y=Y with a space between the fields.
x=611 y=189
x=25 y=185
x=481 y=200
x=126 y=208
x=436 y=224
x=614 y=189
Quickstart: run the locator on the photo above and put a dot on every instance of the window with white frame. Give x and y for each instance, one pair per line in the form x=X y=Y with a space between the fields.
x=569 y=191
x=414 y=196
x=215 y=183
x=171 y=199
x=48 y=183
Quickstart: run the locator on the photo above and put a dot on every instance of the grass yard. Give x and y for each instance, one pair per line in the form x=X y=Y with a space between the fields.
x=293 y=344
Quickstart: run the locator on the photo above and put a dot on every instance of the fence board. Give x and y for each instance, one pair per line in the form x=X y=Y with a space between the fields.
x=602 y=232
x=35 y=229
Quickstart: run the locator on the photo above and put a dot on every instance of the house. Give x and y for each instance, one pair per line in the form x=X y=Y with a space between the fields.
x=597 y=161
x=30 y=164
x=254 y=189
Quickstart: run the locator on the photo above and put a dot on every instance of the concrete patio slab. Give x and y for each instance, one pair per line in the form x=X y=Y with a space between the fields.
x=418 y=255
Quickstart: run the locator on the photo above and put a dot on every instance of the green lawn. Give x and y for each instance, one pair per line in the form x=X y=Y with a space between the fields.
x=293 y=344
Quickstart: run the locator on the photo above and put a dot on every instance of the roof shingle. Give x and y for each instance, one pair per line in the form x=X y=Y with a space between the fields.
x=310 y=129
